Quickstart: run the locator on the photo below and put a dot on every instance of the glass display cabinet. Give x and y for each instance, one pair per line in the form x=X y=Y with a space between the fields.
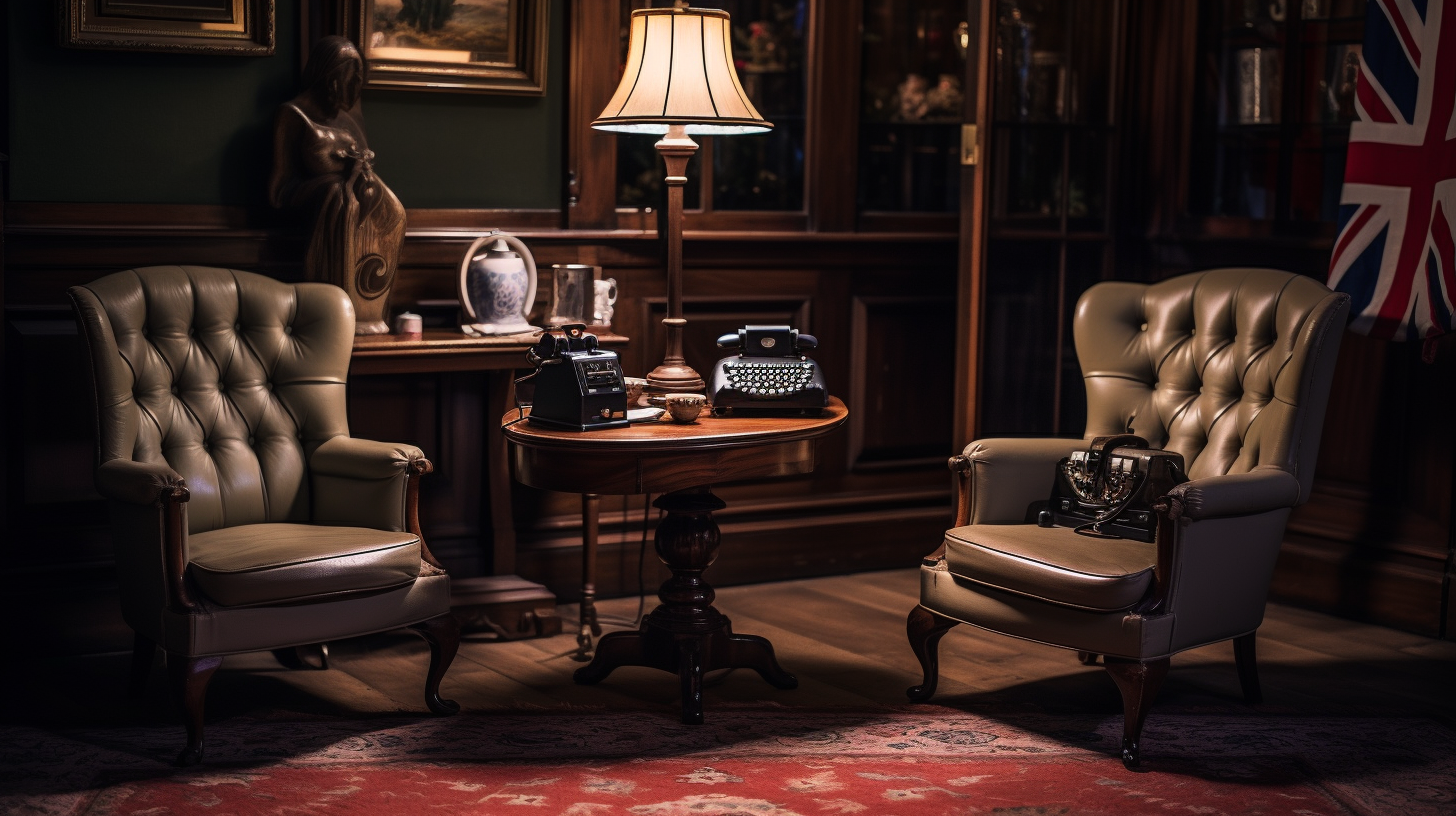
x=1276 y=99
x=1055 y=68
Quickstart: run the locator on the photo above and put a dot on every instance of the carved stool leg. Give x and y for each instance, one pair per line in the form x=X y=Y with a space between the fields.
x=442 y=632
x=1087 y=658
x=1139 y=682
x=143 y=652
x=1248 y=669
x=190 y=676
x=925 y=629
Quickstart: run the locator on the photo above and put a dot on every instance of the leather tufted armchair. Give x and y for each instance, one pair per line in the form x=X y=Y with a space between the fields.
x=245 y=518
x=1230 y=368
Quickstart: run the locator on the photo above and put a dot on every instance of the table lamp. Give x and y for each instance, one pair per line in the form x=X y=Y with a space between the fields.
x=679 y=82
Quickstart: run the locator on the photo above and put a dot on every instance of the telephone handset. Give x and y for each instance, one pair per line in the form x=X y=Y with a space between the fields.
x=579 y=386
x=770 y=376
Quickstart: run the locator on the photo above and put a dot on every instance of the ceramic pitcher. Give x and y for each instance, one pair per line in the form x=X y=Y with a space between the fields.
x=497 y=285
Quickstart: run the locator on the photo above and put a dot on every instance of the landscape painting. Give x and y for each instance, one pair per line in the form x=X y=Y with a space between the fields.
x=476 y=31
x=491 y=46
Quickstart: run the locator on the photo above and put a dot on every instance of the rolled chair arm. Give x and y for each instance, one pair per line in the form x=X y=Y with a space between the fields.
x=351 y=458
x=999 y=479
x=139 y=482
x=363 y=483
x=1236 y=494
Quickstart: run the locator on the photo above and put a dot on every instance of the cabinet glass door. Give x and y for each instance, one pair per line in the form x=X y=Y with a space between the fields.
x=1055 y=68
x=913 y=64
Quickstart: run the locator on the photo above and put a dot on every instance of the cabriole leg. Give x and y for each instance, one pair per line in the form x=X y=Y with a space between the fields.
x=190 y=676
x=925 y=629
x=443 y=634
x=1139 y=682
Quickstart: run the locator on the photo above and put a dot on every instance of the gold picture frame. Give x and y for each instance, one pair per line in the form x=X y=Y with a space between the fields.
x=231 y=27
x=482 y=46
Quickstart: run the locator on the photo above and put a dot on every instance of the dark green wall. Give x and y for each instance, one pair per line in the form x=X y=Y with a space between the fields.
x=110 y=126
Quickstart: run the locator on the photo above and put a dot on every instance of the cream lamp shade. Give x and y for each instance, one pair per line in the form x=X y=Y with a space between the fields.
x=680 y=72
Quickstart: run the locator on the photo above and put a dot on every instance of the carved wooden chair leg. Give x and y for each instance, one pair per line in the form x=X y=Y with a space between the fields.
x=443 y=634
x=1248 y=669
x=1087 y=658
x=143 y=652
x=1139 y=682
x=925 y=629
x=190 y=676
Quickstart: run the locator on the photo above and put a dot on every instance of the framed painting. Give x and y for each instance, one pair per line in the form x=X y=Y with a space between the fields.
x=486 y=46
x=239 y=27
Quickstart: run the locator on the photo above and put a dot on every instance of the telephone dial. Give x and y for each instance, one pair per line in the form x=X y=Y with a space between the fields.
x=770 y=376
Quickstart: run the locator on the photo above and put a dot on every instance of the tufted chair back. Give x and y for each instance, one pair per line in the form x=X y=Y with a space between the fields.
x=230 y=378
x=1219 y=366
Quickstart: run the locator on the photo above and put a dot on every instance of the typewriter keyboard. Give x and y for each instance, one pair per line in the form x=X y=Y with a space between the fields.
x=772 y=379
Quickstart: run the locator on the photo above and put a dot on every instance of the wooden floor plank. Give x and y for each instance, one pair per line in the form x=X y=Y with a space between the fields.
x=842 y=636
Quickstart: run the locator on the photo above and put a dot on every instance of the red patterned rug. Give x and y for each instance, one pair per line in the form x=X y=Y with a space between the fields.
x=759 y=760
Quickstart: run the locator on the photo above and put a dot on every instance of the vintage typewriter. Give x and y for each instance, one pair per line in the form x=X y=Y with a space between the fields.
x=770 y=376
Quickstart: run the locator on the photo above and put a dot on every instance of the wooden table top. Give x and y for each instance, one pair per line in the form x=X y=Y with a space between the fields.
x=666 y=435
x=663 y=456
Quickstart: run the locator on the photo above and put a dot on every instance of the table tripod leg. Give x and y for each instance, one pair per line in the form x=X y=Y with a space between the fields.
x=613 y=650
x=690 y=675
x=754 y=652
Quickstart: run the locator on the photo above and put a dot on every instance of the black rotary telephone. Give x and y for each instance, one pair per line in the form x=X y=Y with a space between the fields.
x=579 y=386
x=770 y=376
x=1108 y=490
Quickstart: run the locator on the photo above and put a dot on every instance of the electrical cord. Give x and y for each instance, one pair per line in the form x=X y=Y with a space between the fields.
x=642 y=558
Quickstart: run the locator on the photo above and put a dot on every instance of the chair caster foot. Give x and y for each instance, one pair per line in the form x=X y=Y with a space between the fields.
x=920 y=694
x=440 y=706
x=1132 y=756
x=191 y=755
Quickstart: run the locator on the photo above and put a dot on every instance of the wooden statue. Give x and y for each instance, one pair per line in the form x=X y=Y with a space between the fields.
x=322 y=167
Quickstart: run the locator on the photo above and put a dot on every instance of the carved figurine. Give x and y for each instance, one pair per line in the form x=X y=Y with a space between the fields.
x=323 y=168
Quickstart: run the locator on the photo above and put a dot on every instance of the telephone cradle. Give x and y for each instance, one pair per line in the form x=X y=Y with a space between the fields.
x=770 y=376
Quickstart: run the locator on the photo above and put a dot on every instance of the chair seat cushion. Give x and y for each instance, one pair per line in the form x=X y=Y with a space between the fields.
x=1053 y=564
x=289 y=563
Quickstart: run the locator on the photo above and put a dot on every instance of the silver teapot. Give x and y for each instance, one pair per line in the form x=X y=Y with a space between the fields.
x=497 y=286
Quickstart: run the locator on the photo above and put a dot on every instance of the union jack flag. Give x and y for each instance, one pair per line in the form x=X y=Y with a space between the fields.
x=1395 y=254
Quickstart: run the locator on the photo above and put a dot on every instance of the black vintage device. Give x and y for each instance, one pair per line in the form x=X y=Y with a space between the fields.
x=579 y=386
x=1108 y=490
x=770 y=376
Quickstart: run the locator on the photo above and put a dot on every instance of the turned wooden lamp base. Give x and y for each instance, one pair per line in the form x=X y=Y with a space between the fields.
x=685 y=634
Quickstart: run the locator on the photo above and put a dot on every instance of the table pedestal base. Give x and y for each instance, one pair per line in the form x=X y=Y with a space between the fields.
x=685 y=634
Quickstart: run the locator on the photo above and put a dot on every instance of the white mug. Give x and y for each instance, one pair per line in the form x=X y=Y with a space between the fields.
x=605 y=294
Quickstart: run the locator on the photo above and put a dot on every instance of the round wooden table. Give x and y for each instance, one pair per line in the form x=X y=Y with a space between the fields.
x=685 y=634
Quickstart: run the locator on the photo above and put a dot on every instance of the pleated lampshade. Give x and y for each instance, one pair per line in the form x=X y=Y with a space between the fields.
x=680 y=72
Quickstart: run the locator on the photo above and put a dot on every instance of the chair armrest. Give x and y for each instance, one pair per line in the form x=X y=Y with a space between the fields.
x=1235 y=494
x=362 y=483
x=139 y=482
x=999 y=479
x=350 y=458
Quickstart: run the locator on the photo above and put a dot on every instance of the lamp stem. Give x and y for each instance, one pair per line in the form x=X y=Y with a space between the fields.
x=674 y=375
